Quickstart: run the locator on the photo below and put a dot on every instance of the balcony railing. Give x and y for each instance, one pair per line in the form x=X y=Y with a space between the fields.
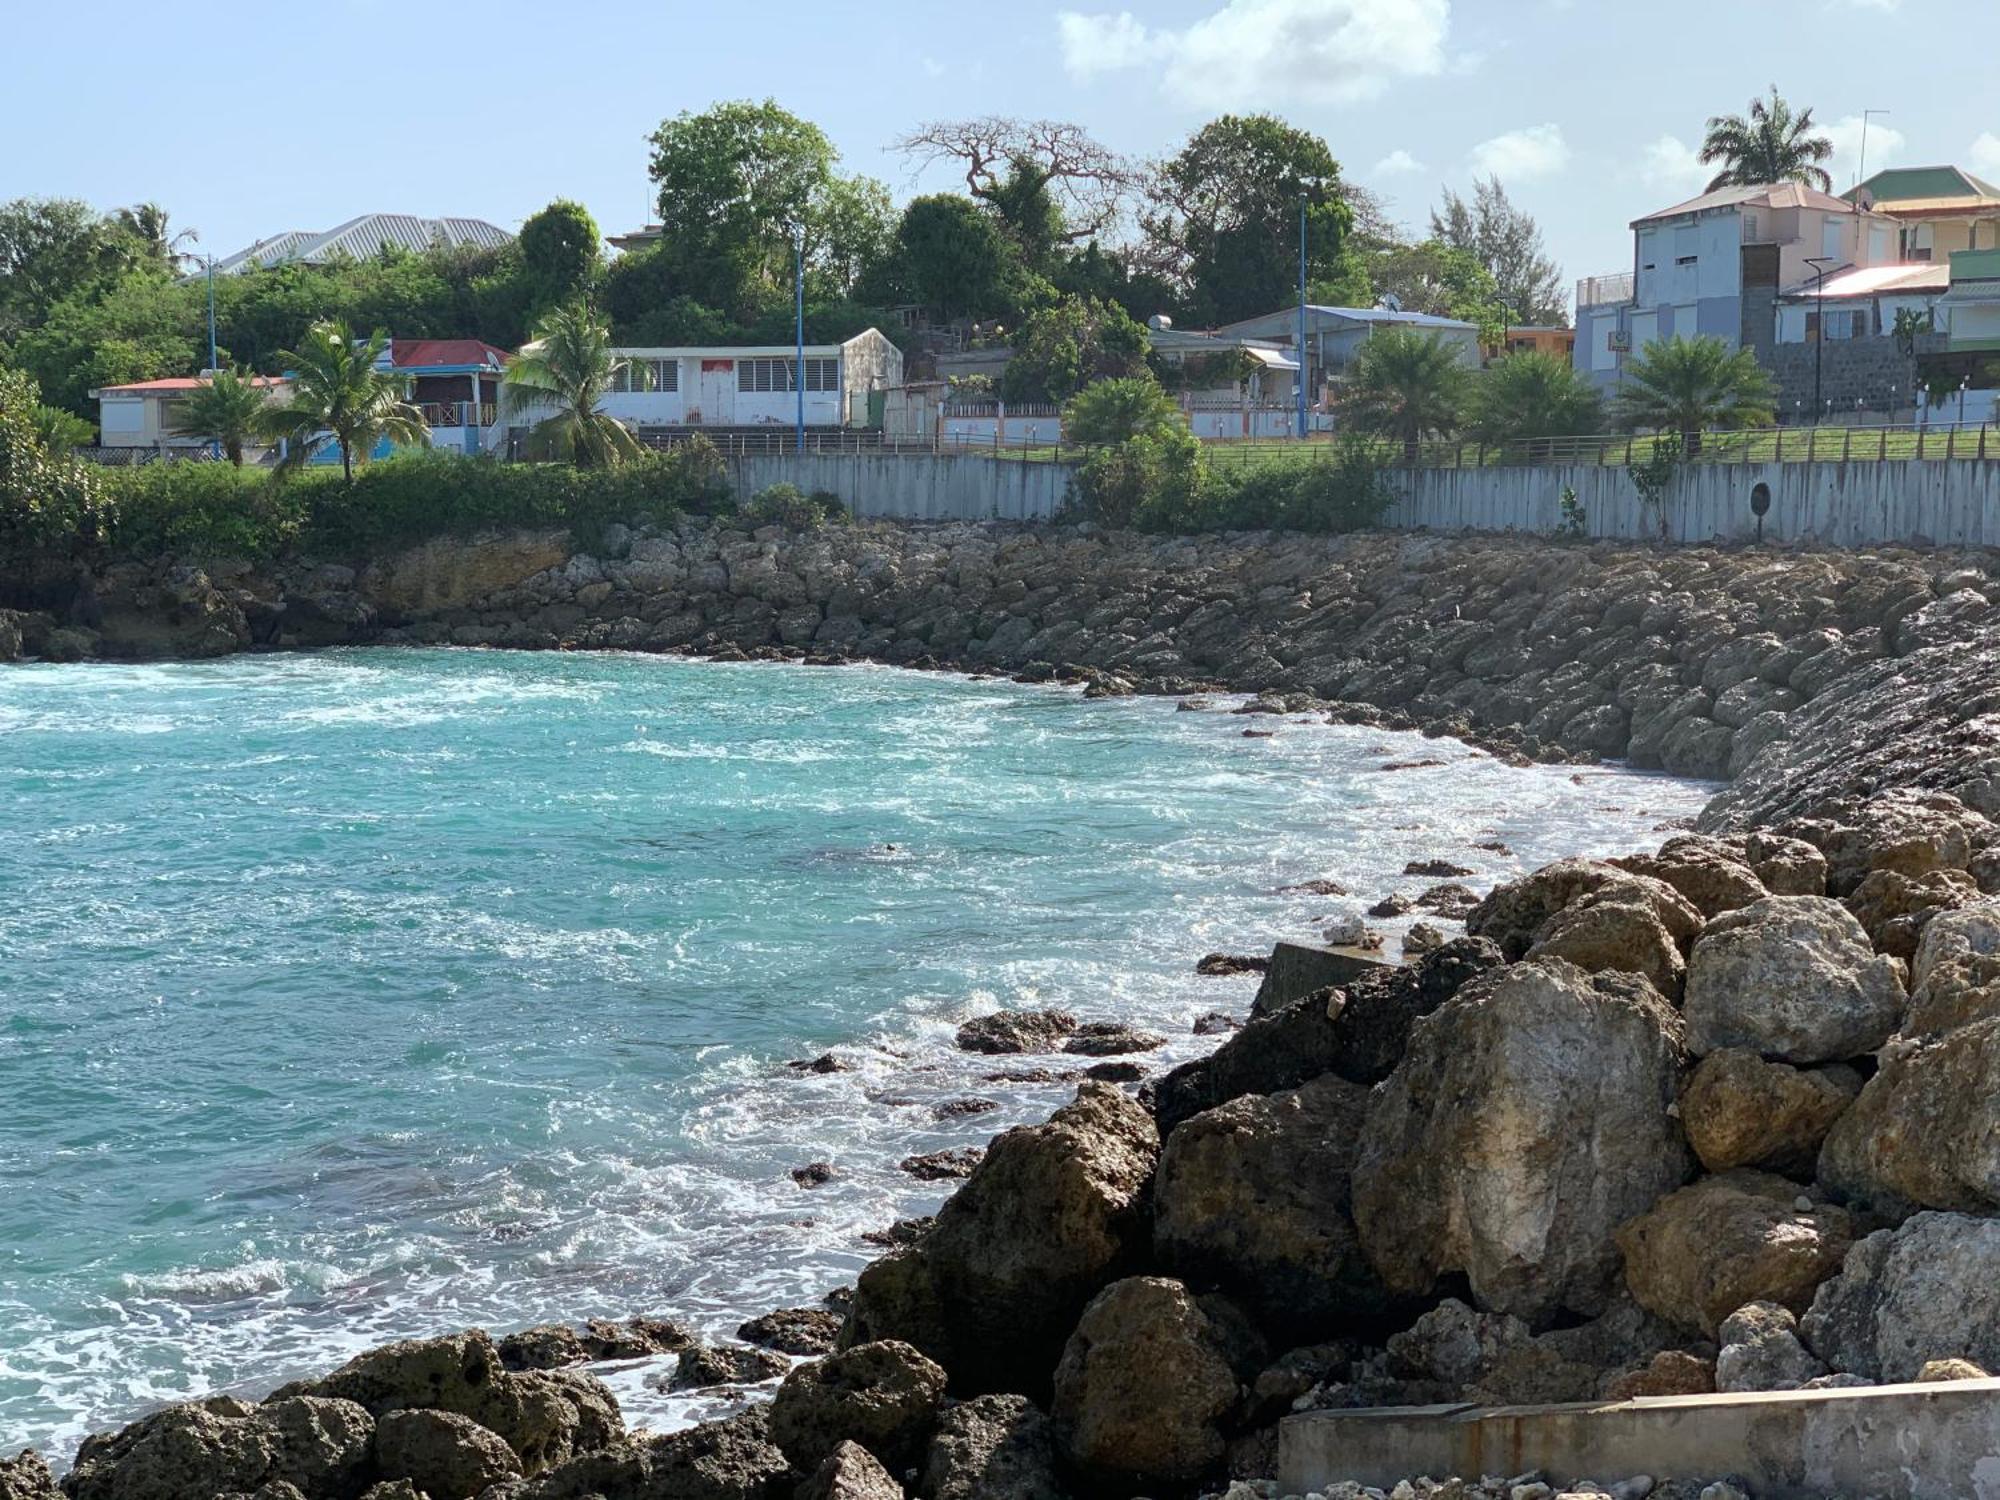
x=1604 y=291
x=457 y=413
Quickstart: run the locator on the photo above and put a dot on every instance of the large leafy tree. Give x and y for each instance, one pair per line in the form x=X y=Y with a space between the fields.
x=1433 y=277
x=560 y=378
x=52 y=249
x=1505 y=240
x=1223 y=223
x=1407 y=387
x=228 y=407
x=47 y=499
x=1067 y=345
x=1532 y=395
x=339 y=396
x=561 y=253
x=1771 y=143
x=150 y=228
x=954 y=257
x=1685 y=385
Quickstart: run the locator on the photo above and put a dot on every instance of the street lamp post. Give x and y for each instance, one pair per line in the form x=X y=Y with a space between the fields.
x=1300 y=381
x=799 y=328
x=1819 y=263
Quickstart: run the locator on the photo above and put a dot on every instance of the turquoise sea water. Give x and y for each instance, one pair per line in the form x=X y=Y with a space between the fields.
x=368 y=994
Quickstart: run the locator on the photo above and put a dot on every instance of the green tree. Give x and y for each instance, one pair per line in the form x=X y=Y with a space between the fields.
x=561 y=253
x=228 y=407
x=61 y=432
x=1533 y=395
x=1023 y=168
x=1224 y=220
x=52 y=249
x=568 y=366
x=150 y=228
x=1508 y=243
x=1685 y=385
x=737 y=178
x=1064 y=347
x=1113 y=411
x=1769 y=144
x=1407 y=387
x=1436 y=278
x=48 y=501
x=339 y=396
x=954 y=256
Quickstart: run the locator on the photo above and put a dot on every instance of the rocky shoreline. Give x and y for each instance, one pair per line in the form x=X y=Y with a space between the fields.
x=1721 y=1117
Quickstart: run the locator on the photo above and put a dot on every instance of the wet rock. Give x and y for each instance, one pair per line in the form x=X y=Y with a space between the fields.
x=1395 y=905
x=850 y=1472
x=222 y=1444
x=991 y=1448
x=1252 y=1198
x=1216 y=1023
x=883 y=1395
x=815 y=1174
x=959 y=1109
x=1052 y=1214
x=1614 y=928
x=902 y=1232
x=1740 y=1111
x=1016 y=1031
x=943 y=1166
x=793 y=1330
x=1422 y=938
x=1439 y=869
x=1513 y=915
x=1110 y=1039
x=1116 y=1072
x=826 y=1062
x=442 y=1454
x=1452 y=901
x=26 y=1476
x=1792 y=978
x=1146 y=1387
x=1532 y=1115
x=1925 y=1131
x=705 y=1365
x=1301 y=969
x=635 y=1338
x=1702 y=1252
x=1927 y=1290
x=732 y=1459
x=1222 y=965
x=1761 y=1351
x=547 y=1346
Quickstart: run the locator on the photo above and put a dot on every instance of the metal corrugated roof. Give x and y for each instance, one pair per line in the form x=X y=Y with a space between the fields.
x=1874 y=281
x=366 y=235
x=1901 y=187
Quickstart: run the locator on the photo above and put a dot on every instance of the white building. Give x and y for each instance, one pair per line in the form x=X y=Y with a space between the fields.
x=754 y=386
x=146 y=413
x=1335 y=335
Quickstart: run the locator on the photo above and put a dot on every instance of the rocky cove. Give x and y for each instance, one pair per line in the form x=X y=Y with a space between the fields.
x=1719 y=1117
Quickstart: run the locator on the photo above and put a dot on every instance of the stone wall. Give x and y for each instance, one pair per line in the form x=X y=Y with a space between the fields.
x=1871 y=374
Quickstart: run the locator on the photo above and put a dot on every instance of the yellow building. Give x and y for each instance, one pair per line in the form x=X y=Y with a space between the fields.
x=1557 y=343
x=1938 y=210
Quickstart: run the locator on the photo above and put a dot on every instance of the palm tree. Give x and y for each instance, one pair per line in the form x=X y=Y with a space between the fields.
x=1111 y=411
x=59 y=431
x=1406 y=386
x=339 y=396
x=229 y=408
x=568 y=365
x=1531 y=396
x=1771 y=144
x=1684 y=385
x=148 y=224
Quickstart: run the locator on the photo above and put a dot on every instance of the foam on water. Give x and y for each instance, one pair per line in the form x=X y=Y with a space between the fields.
x=365 y=995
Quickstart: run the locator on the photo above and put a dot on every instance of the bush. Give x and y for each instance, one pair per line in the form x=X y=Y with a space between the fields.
x=1112 y=411
x=1158 y=482
x=788 y=506
x=49 y=502
x=1343 y=491
x=204 y=510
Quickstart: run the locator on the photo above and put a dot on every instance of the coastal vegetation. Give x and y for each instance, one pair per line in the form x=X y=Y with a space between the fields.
x=228 y=408
x=559 y=379
x=340 y=394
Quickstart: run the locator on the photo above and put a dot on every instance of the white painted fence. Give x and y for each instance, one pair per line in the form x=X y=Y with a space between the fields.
x=915 y=486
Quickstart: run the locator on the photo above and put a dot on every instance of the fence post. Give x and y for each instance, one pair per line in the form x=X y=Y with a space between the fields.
x=1882 y=449
x=1847 y=446
x=1921 y=434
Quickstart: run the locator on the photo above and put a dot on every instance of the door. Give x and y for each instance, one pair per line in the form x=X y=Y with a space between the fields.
x=715 y=397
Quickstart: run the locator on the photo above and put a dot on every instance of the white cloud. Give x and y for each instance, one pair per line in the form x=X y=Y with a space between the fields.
x=1518 y=155
x=1887 y=7
x=1671 y=164
x=1252 y=51
x=1983 y=155
x=1885 y=144
x=1396 y=164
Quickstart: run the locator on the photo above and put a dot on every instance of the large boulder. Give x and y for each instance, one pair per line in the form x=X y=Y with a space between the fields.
x=992 y=1448
x=1711 y=874
x=443 y=1454
x=1955 y=975
x=1761 y=1351
x=731 y=1459
x=1533 y=1114
x=1514 y=914
x=1052 y=1214
x=1927 y=1290
x=883 y=1395
x=1700 y=1253
x=1903 y=829
x=1618 y=927
x=1895 y=909
x=1741 y=1111
x=1925 y=1132
x=26 y=1476
x=221 y=1444
x=453 y=573
x=1491 y=1359
x=1007 y=1031
x=850 y=1472
x=1147 y=1387
x=1253 y=1199
x=1792 y=978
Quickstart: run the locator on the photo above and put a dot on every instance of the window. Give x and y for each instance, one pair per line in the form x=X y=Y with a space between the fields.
x=648 y=375
x=1685 y=260
x=765 y=375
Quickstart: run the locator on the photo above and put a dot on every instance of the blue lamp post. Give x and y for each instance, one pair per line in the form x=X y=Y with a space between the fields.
x=799 y=327
x=1300 y=381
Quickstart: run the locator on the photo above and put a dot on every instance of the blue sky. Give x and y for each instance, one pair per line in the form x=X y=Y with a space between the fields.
x=246 y=121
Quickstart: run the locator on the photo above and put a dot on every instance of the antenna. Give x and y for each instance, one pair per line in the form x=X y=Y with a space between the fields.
x=1861 y=171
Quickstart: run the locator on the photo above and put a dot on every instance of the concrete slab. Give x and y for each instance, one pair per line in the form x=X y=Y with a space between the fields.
x=1297 y=969
x=1895 y=1442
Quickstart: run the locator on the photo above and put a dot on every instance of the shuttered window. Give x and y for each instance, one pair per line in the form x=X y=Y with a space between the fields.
x=767 y=375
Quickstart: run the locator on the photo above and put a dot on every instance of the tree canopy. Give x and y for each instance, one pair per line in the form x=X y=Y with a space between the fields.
x=1508 y=243
x=1772 y=143
x=561 y=253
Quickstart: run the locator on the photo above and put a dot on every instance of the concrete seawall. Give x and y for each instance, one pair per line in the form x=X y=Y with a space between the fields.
x=1952 y=502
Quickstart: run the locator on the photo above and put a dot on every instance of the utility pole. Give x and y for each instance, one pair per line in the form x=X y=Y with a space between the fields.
x=1861 y=171
x=1304 y=363
x=1819 y=263
x=799 y=327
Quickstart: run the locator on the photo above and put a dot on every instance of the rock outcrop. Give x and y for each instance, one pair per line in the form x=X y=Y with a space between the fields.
x=992 y=1448
x=883 y=1395
x=222 y=1444
x=1741 y=1111
x=1925 y=1131
x=1927 y=1290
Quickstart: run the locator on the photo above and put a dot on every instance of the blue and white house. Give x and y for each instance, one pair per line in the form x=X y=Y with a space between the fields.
x=1335 y=335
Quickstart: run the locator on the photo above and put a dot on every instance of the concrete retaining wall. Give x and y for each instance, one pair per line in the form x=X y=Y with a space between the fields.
x=1948 y=501
x=1897 y=1442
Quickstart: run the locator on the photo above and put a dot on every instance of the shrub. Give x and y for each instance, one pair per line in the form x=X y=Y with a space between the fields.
x=1112 y=411
x=1156 y=482
x=788 y=506
x=48 y=501
x=204 y=510
x=1343 y=491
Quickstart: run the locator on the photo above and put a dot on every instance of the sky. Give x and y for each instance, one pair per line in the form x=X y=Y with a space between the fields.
x=245 y=121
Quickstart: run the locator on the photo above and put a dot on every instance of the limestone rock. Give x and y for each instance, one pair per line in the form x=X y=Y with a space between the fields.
x=1903 y=829
x=1786 y=866
x=793 y=1330
x=1532 y=1115
x=1740 y=1111
x=452 y=573
x=1253 y=1199
x=992 y=1448
x=1671 y=1372
x=1146 y=1388
x=1614 y=928
x=222 y=1444
x=1955 y=974
x=1702 y=1252
x=1951 y=1369
x=1711 y=875
x=1761 y=1351
x=731 y=1459
x=701 y=1366
x=1792 y=978
x=1512 y=915
x=850 y=1472
x=1894 y=909
x=1925 y=1131
x=1009 y=1031
x=443 y=1454
x=1053 y=1213
x=884 y=1395
x=1487 y=1358
x=26 y=1477
x=1929 y=1289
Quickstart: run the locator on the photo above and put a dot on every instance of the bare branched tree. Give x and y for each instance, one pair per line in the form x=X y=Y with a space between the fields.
x=1089 y=181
